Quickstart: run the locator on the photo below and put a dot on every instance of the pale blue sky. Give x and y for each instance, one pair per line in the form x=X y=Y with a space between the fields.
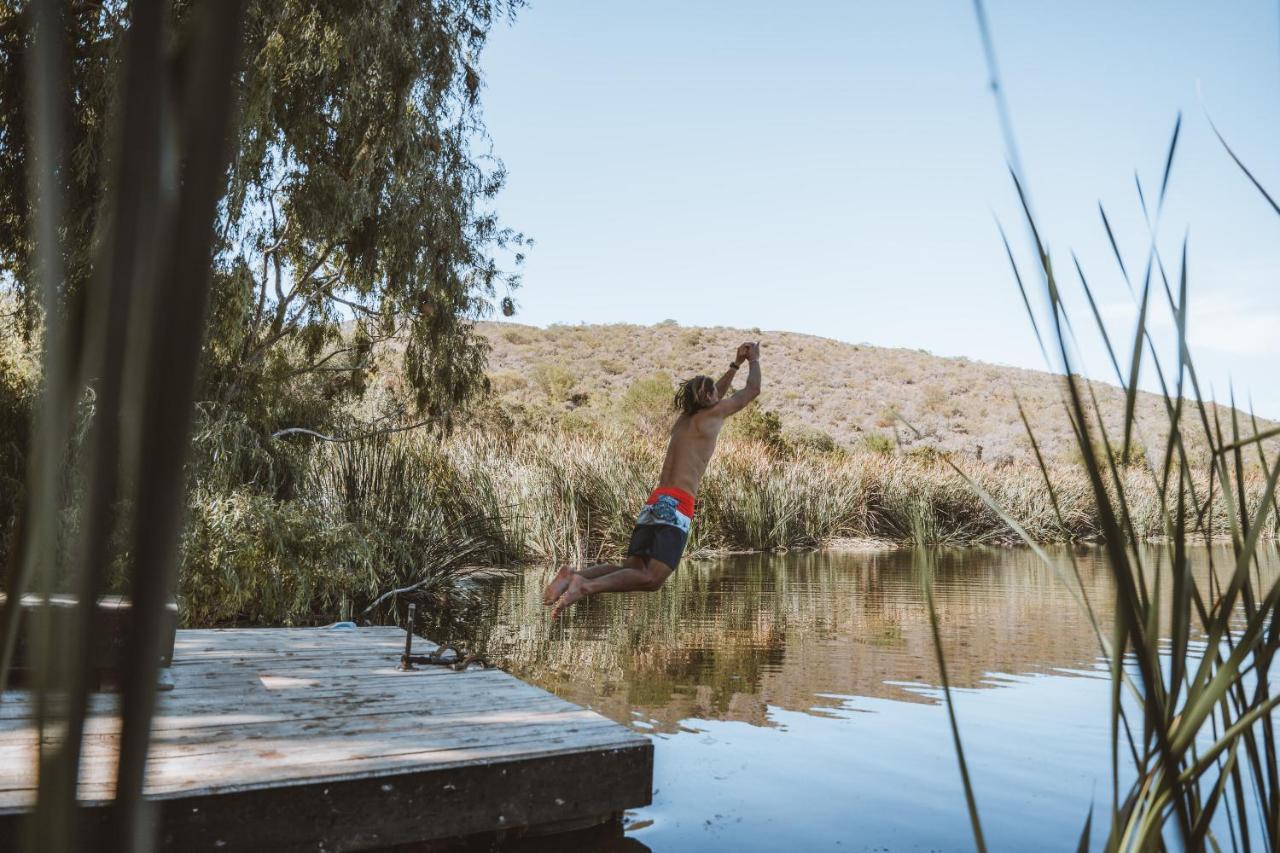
x=835 y=168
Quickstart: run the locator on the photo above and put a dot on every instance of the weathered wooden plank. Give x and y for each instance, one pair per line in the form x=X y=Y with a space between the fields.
x=375 y=674
x=281 y=640
x=486 y=710
x=297 y=635
x=409 y=713
x=275 y=685
x=310 y=738
x=178 y=775
x=101 y=786
x=214 y=720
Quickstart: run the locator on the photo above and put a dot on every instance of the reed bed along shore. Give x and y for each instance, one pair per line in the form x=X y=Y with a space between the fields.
x=429 y=515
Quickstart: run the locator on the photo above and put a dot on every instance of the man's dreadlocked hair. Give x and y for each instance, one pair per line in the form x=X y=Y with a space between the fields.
x=693 y=393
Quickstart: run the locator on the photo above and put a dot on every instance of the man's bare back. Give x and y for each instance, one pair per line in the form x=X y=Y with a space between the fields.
x=694 y=436
x=693 y=440
x=663 y=525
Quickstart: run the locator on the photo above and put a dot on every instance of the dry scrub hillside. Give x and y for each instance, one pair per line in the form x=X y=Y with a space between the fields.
x=848 y=391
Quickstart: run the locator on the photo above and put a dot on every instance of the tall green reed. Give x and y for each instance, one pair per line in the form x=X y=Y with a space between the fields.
x=1191 y=696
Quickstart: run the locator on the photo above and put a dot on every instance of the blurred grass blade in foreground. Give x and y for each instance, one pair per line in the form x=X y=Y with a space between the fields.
x=1204 y=695
x=134 y=359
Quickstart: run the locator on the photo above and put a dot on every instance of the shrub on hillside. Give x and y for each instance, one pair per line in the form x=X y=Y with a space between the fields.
x=612 y=366
x=805 y=438
x=933 y=399
x=554 y=380
x=1136 y=456
x=517 y=336
x=927 y=453
x=646 y=405
x=878 y=443
x=757 y=424
x=505 y=381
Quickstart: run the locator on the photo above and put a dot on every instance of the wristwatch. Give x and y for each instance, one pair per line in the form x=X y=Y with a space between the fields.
x=733 y=365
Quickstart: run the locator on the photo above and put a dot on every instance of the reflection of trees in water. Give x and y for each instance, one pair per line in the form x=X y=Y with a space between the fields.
x=999 y=612
x=693 y=650
x=726 y=639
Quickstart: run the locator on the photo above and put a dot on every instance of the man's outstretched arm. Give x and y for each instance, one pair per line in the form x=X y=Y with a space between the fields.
x=753 y=373
x=740 y=398
x=723 y=383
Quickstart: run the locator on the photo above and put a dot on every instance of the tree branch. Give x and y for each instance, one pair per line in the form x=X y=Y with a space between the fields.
x=319 y=365
x=282 y=303
x=361 y=437
x=355 y=306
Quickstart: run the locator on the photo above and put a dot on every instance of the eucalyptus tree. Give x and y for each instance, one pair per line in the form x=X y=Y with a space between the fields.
x=358 y=204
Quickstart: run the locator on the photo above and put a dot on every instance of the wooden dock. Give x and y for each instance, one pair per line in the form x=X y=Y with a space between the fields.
x=312 y=739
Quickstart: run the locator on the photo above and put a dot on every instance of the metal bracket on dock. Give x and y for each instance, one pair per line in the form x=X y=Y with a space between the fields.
x=406 y=659
x=458 y=662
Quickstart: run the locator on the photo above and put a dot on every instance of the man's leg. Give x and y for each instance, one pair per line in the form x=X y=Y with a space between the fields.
x=560 y=582
x=647 y=578
x=599 y=569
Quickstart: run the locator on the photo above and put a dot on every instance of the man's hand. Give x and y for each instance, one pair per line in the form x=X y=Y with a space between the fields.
x=742 y=353
x=753 y=351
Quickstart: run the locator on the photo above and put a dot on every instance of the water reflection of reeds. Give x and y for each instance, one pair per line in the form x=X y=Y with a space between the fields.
x=727 y=638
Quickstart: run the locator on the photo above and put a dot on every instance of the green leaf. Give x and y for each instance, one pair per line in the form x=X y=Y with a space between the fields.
x=1083 y=846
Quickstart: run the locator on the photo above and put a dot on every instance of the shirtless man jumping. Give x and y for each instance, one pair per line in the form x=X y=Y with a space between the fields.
x=662 y=527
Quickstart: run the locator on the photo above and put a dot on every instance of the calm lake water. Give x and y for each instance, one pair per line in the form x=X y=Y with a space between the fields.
x=794 y=700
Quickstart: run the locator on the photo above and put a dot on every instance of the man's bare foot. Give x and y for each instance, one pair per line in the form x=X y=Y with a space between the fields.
x=558 y=585
x=577 y=589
